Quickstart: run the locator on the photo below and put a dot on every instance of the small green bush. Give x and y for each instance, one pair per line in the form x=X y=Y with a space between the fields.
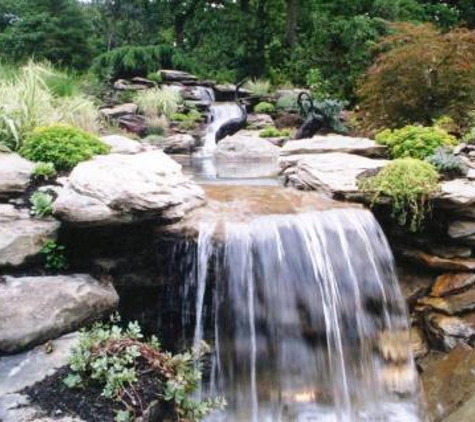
x=114 y=358
x=54 y=256
x=64 y=146
x=415 y=141
x=287 y=103
x=44 y=171
x=41 y=204
x=447 y=163
x=264 y=107
x=155 y=77
x=408 y=184
x=273 y=132
x=260 y=87
x=157 y=102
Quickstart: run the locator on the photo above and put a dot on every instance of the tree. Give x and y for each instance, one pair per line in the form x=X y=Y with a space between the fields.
x=56 y=30
x=421 y=75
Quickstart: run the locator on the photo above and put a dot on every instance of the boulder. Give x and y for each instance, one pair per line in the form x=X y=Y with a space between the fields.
x=22 y=236
x=119 y=110
x=122 y=145
x=125 y=85
x=176 y=76
x=437 y=262
x=451 y=305
x=335 y=174
x=133 y=123
x=461 y=228
x=259 y=121
x=120 y=188
x=456 y=193
x=247 y=146
x=449 y=381
x=452 y=282
x=450 y=251
x=334 y=143
x=288 y=120
x=226 y=92
x=451 y=330
x=180 y=143
x=418 y=343
x=15 y=174
x=37 y=309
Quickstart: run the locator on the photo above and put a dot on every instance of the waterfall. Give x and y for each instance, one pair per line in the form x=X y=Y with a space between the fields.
x=219 y=114
x=306 y=319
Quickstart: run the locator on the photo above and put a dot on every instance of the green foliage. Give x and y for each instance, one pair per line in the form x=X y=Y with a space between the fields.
x=41 y=204
x=318 y=86
x=422 y=74
x=273 y=132
x=54 y=256
x=155 y=77
x=264 y=107
x=64 y=146
x=331 y=111
x=124 y=62
x=157 y=102
x=44 y=171
x=109 y=356
x=447 y=163
x=408 y=184
x=287 y=103
x=415 y=141
x=191 y=116
x=259 y=87
x=28 y=102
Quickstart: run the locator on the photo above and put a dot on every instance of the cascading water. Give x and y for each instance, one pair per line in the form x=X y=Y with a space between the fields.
x=306 y=319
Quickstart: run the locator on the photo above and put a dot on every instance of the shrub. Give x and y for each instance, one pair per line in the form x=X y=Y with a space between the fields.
x=129 y=61
x=192 y=116
x=44 y=171
x=331 y=111
x=287 y=103
x=317 y=84
x=273 y=132
x=64 y=146
x=42 y=204
x=155 y=77
x=264 y=107
x=55 y=257
x=156 y=102
x=415 y=141
x=260 y=87
x=408 y=184
x=422 y=74
x=116 y=359
x=447 y=163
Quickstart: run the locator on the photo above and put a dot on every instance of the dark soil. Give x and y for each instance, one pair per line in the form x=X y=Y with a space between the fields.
x=54 y=397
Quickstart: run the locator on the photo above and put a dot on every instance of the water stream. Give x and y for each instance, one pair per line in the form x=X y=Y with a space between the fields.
x=305 y=318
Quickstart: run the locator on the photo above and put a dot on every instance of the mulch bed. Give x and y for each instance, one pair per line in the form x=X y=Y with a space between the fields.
x=55 y=398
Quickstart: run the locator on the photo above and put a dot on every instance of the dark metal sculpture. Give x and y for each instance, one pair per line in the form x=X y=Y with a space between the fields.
x=234 y=125
x=314 y=121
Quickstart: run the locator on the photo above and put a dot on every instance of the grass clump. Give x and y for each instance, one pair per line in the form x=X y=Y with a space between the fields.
x=64 y=146
x=415 y=141
x=273 y=132
x=41 y=204
x=264 y=107
x=260 y=87
x=408 y=184
x=44 y=171
x=118 y=359
x=158 y=102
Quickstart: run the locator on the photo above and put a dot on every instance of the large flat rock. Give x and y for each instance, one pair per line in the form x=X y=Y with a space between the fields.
x=121 y=188
x=331 y=173
x=22 y=236
x=15 y=174
x=458 y=193
x=246 y=146
x=334 y=143
x=453 y=304
x=37 y=309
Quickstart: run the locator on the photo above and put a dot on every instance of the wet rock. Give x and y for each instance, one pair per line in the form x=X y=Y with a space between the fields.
x=460 y=229
x=122 y=145
x=133 y=123
x=119 y=188
x=456 y=193
x=176 y=76
x=451 y=330
x=335 y=143
x=119 y=110
x=226 y=92
x=418 y=343
x=125 y=85
x=180 y=143
x=37 y=309
x=437 y=262
x=22 y=236
x=449 y=381
x=466 y=413
x=246 y=145
x=452 y=282
x=394 y=346
x=259 y=121
x=450 y=251
x=335 y=174
x=413 y=281
x=453 y=304
x=15 y=174
x=400 y=379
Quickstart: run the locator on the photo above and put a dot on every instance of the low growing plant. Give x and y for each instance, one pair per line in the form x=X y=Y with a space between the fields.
x=447 y=163
x=260 y=87
x=41 y=204
x=273 y=132
x=64 y=146
x=116 y=359
x=415 y=141
x=44 y=171
x=287 y=103
x=408 y=184
x=157 y=102
x=55 y=256
x=264 y=107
